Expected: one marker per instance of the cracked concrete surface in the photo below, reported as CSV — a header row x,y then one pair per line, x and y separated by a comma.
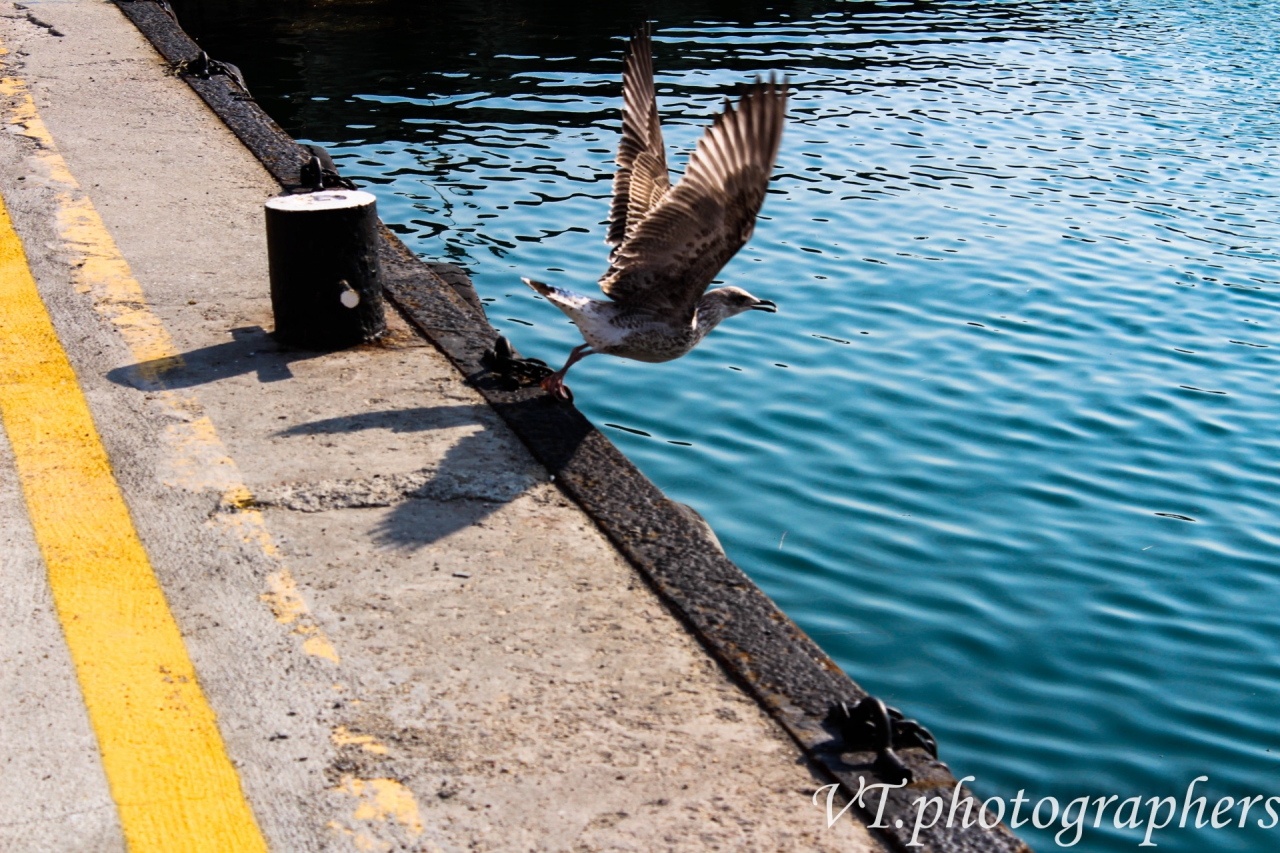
x,y
494,676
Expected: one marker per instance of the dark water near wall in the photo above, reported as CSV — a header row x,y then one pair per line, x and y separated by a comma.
x,y
1009,451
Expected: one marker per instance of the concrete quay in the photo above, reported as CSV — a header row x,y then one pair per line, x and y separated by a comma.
x,y
375,624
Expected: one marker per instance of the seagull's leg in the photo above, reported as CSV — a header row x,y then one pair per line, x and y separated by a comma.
x,y
554,384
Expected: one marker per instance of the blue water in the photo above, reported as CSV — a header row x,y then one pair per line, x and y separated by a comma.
x,y
1009,450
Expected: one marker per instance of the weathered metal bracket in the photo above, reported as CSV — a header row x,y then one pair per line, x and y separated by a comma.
x,y
869,724
517,371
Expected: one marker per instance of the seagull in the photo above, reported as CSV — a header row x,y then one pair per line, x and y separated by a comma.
x,y
670,242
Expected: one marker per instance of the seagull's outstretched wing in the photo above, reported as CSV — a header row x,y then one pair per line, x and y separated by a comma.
x,y
642,178
669,257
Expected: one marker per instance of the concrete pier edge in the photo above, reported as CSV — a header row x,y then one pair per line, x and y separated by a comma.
x,y
757,644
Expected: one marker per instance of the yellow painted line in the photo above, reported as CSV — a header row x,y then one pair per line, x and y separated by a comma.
x,y
342,737
380,805
196,457
164,758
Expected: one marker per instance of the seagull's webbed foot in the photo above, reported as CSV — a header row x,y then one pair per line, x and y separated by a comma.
x,y
554,385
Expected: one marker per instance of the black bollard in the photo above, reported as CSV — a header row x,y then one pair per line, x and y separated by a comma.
x,y
326,282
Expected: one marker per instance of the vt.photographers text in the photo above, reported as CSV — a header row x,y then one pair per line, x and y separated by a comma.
x,y
1150,815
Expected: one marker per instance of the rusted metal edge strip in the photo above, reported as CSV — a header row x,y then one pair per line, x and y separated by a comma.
x,y
738,624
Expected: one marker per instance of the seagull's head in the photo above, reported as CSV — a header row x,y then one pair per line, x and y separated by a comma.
x,y
723,302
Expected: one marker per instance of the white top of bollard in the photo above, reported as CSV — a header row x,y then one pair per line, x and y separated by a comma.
x,y
323,200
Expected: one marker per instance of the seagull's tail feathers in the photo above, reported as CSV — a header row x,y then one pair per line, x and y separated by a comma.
x,y
566,300
544,289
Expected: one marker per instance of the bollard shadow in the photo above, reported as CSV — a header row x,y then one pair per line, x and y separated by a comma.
x,y
251,350
467,486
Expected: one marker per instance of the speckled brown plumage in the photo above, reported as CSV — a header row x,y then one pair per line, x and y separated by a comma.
x,y
670,242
